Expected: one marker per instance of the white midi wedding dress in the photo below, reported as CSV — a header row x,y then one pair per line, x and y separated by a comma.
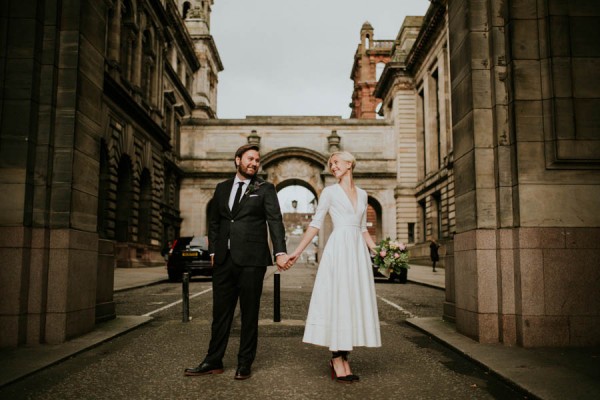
x,y
343,306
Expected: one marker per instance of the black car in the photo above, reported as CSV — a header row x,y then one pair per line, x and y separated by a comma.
x,y
189,254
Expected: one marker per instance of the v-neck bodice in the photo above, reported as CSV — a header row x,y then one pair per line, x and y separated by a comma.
x,y
335,201
348,197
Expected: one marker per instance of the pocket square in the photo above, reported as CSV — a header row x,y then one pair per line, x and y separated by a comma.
x,y
253,195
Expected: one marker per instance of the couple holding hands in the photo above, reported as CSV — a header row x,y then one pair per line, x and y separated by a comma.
x,y
343,307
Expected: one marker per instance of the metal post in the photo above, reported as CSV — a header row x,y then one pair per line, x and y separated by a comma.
x,y
185,283
277,297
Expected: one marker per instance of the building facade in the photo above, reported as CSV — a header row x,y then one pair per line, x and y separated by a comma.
x,y
370,58
507,163
93,97
294,151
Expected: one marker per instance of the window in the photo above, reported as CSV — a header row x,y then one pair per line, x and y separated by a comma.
x,y
437,206
411,232
379,70
436,112
147,66
185,9
125,58
421,129
423,223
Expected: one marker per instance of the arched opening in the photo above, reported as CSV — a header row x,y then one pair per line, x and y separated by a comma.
x,y
103,183
145,208
374,212
299,191
185,9
298,202
124,200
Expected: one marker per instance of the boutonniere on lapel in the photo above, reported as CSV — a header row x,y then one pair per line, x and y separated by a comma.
x,y
253,187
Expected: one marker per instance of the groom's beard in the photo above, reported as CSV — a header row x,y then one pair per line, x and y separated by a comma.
x,y
247,172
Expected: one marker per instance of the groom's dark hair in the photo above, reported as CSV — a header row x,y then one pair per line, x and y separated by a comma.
x,y
240,152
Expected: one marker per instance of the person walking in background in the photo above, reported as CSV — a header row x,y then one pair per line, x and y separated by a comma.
x,y
244,212
343,307
433,252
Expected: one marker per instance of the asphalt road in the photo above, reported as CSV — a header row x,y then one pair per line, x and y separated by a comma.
x,y
148,362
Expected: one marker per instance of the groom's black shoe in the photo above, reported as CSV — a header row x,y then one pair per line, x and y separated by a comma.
x,y
242,373
204,369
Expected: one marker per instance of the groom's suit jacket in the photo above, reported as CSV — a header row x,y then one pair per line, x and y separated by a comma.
x,y
244,229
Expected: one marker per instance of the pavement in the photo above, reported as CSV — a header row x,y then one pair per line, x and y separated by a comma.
x,y
543,373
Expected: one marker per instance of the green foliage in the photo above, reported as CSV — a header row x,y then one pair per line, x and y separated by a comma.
x,y
391,256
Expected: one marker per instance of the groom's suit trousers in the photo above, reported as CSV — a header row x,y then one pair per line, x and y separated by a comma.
x,y
231,282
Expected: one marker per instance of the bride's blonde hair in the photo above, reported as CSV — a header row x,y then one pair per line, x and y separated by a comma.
x,y
344,156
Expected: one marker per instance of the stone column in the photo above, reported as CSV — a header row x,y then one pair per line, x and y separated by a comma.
x,y
475,278
52,91
405,122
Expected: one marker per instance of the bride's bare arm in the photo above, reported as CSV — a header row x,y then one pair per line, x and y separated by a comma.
x,y
310,233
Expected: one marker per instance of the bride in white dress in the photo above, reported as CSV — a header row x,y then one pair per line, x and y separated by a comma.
x,y
343,307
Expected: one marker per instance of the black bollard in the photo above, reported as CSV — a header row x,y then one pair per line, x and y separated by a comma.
x,y
277,297
185,284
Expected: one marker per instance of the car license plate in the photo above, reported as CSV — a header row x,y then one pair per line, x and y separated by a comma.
x,y
189,254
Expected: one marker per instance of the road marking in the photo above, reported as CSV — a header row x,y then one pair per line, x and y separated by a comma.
x,y
397,307
175,303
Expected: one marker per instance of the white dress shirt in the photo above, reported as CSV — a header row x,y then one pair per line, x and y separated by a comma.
x,y
235,188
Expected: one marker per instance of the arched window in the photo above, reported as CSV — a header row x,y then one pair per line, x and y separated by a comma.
x,y
185,9
374,223
124,200
145,208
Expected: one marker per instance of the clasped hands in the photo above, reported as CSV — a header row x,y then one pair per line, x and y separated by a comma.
x,y
285,262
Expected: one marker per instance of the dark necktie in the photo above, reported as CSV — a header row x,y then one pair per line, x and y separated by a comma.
x,y
238,194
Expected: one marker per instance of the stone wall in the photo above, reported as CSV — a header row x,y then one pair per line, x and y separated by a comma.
x,y
92,95
527,238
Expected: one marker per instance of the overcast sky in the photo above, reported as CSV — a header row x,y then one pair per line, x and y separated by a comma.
x,y
294,57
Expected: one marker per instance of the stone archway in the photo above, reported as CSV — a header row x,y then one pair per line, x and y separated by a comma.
x,y
295,166
303,167
374,217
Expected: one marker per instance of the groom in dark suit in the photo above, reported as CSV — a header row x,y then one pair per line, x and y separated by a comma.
x,y
243,209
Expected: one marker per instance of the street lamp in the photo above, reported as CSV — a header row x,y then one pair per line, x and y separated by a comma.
x,y
294,204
